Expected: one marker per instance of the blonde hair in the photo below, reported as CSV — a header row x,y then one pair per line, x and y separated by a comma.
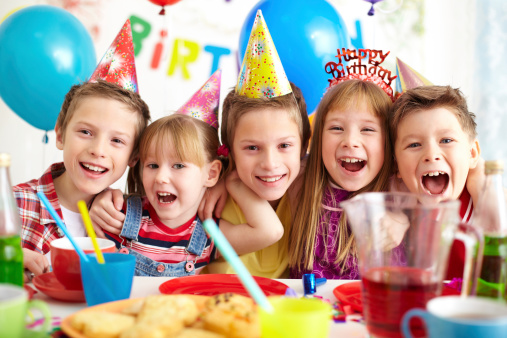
x,y
193,141
235,106
345,95
103,89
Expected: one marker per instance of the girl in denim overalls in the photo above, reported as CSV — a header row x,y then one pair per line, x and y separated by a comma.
x,y
178,161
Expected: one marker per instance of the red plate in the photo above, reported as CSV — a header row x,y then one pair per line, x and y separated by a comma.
x,y
350,294
209,285
49,285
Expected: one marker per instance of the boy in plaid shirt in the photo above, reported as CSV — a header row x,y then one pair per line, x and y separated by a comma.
x,y
98,129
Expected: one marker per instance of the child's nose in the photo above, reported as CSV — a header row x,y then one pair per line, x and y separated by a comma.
x,y
97,148
432,154
350,140
270,159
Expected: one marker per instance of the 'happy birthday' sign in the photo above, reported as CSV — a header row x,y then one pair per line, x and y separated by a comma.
x,y
364,62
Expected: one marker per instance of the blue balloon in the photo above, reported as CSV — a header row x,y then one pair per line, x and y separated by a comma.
x,y
44,50
306,35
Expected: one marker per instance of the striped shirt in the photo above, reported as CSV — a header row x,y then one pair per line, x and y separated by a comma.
x,y
38,227
163,244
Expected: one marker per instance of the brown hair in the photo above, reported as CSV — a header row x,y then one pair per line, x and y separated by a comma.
x,y
303,234
193,141
432,97
104,89
235,106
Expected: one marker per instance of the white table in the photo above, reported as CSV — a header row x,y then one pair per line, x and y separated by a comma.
x,y
144,286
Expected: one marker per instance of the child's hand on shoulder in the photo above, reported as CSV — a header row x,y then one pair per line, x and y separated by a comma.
x,y
213,200
475,180
393,227
36,264
237,188
105,212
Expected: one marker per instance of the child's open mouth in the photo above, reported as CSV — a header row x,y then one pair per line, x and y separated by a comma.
x,y
93,168
352,164
435,182
166,197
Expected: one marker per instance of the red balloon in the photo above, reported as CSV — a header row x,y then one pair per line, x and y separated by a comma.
x,y
164,2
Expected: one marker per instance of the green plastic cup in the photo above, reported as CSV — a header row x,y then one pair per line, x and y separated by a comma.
x,y
296,317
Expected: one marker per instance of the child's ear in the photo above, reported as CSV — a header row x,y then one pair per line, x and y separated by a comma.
x,y
214,170
59,137
475,154
133,161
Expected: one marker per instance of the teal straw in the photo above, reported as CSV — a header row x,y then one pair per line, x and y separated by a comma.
x,y
233,259
62,226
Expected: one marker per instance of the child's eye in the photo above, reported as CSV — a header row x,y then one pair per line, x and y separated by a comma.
x,y
252,148
117,140
336,128
179,166
368,129
446,140
414,145
84,131
285,145
152,165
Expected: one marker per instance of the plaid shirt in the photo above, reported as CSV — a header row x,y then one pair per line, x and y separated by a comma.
x,y
38,227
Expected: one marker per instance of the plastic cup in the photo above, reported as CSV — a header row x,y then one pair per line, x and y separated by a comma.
x,y
14,305
110,281
296,317
65,260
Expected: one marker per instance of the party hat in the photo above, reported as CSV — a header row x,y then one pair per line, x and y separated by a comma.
x,y
118,65
262,73
204,103
408,78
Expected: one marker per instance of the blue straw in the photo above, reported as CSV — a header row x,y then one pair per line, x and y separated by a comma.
x,y
233,259
62,226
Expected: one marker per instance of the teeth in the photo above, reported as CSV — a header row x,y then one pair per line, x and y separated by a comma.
x,y
271,179
94,168
164,194
351,160
434,173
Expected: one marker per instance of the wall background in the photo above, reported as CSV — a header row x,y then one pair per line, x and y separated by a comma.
x,y
455,42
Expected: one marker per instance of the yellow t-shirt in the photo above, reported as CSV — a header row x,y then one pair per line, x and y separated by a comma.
x,y
270,262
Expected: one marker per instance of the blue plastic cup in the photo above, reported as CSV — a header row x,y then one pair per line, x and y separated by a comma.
x,y
110,281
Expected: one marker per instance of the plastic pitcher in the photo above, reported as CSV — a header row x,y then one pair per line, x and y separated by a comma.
x,y
403,242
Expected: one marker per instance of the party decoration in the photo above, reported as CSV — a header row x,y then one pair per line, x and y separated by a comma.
x,y
351,66
371,12
262,73
408,78
118,64
306,35
163,3
44,50
203,105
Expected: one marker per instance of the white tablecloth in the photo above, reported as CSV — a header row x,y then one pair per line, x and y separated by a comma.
x,y
144,286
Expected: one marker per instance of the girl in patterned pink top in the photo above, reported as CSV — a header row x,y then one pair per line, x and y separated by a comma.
x,y
350,153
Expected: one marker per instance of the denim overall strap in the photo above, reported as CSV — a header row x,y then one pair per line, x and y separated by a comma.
x,y
198,240
133,216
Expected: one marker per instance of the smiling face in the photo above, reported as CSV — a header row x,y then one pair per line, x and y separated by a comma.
x,y
434,154
97,146
266,149
352,146
175,187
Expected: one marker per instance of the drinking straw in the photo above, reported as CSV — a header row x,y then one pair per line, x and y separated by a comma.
x,y
230,255
62,226
89,229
